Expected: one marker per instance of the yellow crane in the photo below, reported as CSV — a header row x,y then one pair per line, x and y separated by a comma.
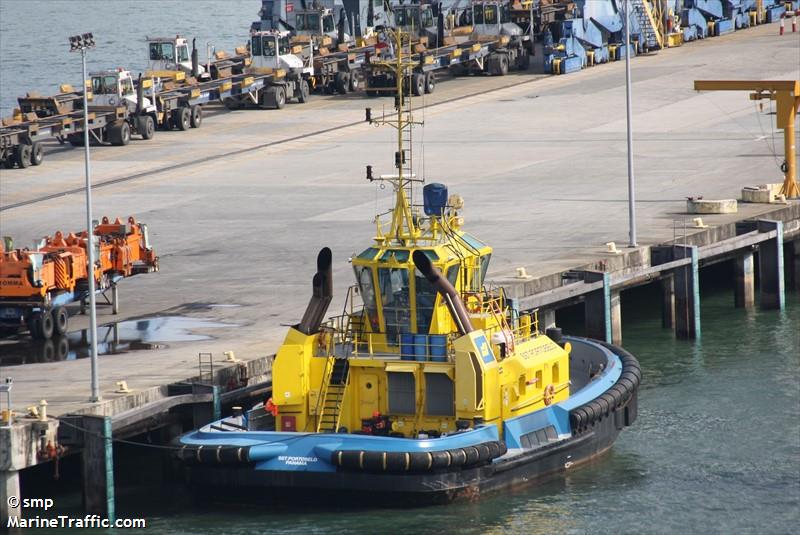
x,y
786,93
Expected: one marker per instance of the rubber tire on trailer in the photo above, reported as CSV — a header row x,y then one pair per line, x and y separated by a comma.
x,y
503,65
8,163
37,153
76,140
305,92
182,118
354,85
196,117
430,82
342,82
146,127
22,155
280,97
60,320
119,133
418,84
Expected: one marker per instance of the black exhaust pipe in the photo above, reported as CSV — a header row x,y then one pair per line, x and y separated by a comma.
x,y
139,95
195,61
321,296
448,293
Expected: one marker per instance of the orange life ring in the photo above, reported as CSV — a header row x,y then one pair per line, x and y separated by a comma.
x,y
549,394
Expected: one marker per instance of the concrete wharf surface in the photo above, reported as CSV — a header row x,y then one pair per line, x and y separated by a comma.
x,y
239,208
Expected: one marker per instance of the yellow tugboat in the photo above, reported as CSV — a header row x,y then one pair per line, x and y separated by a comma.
x,y
431,386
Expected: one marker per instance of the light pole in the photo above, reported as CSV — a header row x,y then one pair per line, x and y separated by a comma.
x,y
82,43
631,192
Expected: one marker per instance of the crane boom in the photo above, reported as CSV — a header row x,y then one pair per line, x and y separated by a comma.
x,y
786,93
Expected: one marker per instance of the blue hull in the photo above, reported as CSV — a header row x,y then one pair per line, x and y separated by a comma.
x,y
604,401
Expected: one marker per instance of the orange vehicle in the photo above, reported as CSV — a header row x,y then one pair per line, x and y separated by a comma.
x,y
37,284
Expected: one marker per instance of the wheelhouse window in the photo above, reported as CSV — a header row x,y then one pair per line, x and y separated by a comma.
x,y
162,51
367,289
485,259
395,300
427,18
477,14
127,86
255,45
426,298
104,85
183,53
490,14
327,24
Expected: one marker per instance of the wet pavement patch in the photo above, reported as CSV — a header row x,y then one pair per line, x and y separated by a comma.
x,y
112,339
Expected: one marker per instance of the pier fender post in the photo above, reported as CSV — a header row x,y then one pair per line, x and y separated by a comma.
x,y
745,290
616,318
598,307
97,466
662,255
668,302
770,264
9,486
203,413
793,265
687,293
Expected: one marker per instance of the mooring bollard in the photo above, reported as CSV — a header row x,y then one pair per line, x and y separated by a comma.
x,y
780,31
794,22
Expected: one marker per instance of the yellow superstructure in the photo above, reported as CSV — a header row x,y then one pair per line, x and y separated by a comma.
x,y
423,345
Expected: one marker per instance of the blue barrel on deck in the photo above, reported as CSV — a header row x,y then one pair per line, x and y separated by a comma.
x,y
421,347
438,347
434,196
406,346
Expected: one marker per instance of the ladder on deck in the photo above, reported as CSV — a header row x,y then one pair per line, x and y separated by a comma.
x,y
330,412
649,23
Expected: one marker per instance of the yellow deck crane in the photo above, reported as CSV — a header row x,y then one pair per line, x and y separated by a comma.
x,y
787,95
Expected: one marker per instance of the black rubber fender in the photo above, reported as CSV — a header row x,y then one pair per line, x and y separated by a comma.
x,y
583,418
441,459
373,461
605,405
458,457
597,408
472,455
590,415
397,461
626,383
421,461
484,453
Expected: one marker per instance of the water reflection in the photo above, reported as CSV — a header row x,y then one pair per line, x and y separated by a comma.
x,y
112,339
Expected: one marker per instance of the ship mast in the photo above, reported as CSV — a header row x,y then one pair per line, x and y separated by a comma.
x,y
403,228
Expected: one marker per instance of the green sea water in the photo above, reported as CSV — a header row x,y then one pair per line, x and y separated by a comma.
x,y
716,449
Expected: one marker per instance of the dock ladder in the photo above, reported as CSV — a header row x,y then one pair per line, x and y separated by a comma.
x,y
333,390
648,16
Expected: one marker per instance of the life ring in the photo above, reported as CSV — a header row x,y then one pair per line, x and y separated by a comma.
x,y
549,394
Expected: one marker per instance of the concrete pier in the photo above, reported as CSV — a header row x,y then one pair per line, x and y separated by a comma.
x,y
745,283
597,309
9,487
